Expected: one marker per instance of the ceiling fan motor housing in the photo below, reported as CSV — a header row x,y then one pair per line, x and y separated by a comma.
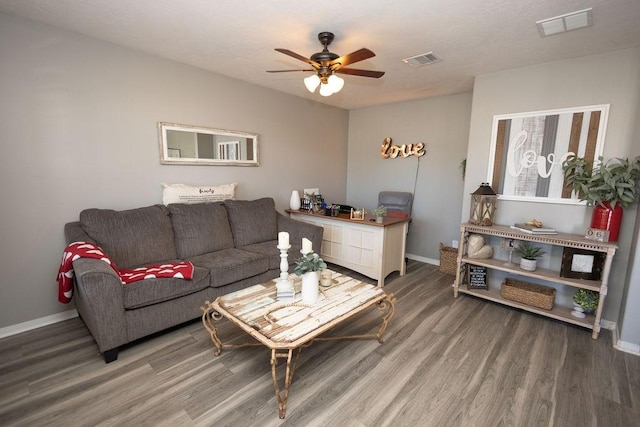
x,y
325,56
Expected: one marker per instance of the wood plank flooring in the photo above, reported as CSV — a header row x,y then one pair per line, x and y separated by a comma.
x,y
444,362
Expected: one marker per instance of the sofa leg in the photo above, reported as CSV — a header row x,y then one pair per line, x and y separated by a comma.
x,y
110,355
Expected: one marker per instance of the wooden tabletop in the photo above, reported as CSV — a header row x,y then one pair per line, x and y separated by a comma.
x,y
368,218
289,324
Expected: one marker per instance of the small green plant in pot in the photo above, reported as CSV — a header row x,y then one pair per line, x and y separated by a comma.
x,y
380,212
309,262
308,266
529,253
587,299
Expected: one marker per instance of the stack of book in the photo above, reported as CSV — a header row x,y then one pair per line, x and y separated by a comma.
x,y
532,229
285,295
285,291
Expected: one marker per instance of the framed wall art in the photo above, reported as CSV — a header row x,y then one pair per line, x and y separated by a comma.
x,y
527,151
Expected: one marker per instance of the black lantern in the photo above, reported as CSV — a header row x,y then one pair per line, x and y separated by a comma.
x,y
483,205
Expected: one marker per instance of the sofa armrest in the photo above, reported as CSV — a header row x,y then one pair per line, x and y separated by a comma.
x,y
98,296
298,229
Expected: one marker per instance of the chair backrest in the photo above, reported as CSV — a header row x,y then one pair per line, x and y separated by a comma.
x,y
396,202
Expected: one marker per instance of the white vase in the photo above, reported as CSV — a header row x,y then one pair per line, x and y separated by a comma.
x,y
294,202
310,286
528,264
578,311
379,219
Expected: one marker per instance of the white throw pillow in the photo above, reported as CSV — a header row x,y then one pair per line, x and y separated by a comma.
x,y
182,193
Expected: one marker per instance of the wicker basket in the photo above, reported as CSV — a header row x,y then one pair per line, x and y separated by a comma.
x,y
448,259
528,293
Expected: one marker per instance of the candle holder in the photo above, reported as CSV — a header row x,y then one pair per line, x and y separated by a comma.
x,y
284,286
508,245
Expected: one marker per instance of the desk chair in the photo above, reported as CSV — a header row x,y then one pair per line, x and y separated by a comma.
x,y
398,203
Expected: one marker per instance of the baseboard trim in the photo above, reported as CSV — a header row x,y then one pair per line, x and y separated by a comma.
x,y
423,259
627,347
37,323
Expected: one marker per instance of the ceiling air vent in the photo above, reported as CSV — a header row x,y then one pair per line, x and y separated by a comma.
x,y
568,22
422,59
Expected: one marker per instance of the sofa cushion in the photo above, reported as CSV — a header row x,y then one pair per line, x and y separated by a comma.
x,y
269,250
132,238
230,265
152,291
252,221
200,228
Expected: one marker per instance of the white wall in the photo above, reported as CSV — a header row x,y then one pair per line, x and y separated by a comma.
x,y
629,323
611,78
435,178
78,119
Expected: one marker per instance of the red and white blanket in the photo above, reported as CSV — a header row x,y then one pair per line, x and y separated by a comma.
x,y
178,270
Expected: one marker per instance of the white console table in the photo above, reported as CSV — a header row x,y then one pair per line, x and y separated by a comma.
x,y
367,247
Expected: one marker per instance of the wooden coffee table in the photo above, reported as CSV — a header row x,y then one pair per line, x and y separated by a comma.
x,y
284,327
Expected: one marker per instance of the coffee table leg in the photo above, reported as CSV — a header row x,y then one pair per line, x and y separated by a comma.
x,y
283,395
389,304
208,318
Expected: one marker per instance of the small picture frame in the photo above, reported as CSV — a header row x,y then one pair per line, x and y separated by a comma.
x,y
582,264
477,277
357,214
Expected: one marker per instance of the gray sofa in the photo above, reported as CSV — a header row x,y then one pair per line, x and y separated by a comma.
x,y
231,244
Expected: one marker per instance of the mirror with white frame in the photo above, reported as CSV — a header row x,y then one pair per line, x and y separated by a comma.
x,y
196,145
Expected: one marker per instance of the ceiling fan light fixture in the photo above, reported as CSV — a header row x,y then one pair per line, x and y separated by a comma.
x,y
325,90
335,83
312,82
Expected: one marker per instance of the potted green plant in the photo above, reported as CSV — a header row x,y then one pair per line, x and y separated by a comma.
x,y
528,255
608,186
380,212
308,266
587,299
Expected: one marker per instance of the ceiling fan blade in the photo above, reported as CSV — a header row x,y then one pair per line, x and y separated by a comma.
x,y
358,55
299,57
287,71
362,73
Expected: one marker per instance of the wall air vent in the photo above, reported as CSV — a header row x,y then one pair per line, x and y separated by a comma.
x,y
422,59
568,22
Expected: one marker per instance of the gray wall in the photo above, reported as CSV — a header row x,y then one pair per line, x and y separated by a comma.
x,y
611,78
78,119
435,178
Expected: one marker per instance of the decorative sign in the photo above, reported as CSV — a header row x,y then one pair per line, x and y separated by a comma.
x,y
388,150
528,149
477,277
597,235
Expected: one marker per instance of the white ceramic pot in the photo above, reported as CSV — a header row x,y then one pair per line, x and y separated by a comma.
x,y
310,286
379,219
294,201
528,264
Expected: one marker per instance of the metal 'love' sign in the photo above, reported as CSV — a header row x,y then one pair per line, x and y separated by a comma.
x,y
388,150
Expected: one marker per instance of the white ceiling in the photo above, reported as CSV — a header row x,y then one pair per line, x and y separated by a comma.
x,y
237,37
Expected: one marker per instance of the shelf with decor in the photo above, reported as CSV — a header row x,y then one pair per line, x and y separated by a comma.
x,y
544,275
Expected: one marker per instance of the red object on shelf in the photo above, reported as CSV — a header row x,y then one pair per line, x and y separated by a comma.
x,y
605,218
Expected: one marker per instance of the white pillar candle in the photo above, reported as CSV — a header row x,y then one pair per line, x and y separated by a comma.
x,y
306,246
283,239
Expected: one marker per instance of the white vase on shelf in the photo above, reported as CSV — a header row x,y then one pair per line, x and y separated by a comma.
x,y
310,286
294,202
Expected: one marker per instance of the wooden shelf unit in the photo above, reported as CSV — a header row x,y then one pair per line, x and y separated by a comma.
x,y
561,239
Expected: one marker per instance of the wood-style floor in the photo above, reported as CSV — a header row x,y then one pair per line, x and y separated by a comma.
x,y
444,362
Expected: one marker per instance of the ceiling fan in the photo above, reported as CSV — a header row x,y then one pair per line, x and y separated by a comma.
x,y
326,64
